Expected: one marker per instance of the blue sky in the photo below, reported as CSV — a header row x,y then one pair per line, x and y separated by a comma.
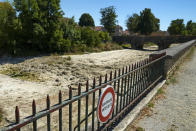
x,y
165,10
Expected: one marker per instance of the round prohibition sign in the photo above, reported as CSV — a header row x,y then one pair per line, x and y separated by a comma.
x,y
106,104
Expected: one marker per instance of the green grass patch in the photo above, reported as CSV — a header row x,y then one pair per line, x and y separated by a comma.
x,y
150,105
56,59
148,44
171,80
16,72
160,91
140,129
68,58
126,45
107,47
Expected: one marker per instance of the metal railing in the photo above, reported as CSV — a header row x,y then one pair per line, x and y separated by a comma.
x,y
131,84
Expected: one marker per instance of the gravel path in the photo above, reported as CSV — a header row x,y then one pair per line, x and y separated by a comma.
x,y
177,112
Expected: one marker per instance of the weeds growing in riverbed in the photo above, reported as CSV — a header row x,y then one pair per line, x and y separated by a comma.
x,y
16,72
140,129
150,105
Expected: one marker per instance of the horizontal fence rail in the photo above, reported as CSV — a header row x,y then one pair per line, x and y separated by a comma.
x,y
130,84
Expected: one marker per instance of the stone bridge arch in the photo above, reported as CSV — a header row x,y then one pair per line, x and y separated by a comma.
x,y
163,42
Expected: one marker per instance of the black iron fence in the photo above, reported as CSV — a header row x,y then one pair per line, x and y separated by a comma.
x,y
78,111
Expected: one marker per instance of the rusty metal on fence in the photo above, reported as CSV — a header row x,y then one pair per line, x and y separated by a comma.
x,y
131,84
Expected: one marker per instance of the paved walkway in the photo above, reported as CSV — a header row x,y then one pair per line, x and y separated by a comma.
x,y
177,112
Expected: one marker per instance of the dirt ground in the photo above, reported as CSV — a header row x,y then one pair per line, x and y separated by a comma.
x,y
54,73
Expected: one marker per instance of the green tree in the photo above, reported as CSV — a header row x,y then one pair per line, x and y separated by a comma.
x,y
40,20
194,29
71,30
51,14
90,37
147,23
108,19
191,27
104,36
7,27
132,23
86,20
176,27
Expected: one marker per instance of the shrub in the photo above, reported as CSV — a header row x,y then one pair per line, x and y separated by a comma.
x,y
90,37
104,36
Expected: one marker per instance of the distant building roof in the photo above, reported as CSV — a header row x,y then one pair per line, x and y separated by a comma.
x,y
160,33
99,28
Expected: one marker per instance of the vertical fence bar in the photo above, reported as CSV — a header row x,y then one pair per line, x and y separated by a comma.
x,y
17,116
48,116
121,91
111,85
106,78
134,82
60,111
93,106
140,77
100,82
131,85
86,113
146,74
137,78
79,105
144,70
128,87
117,105
124,95
33,113
111,77
115,91
70,109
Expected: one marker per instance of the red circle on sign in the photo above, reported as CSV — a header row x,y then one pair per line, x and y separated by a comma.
x,y
101,117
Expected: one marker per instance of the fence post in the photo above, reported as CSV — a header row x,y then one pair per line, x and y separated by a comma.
x,y
60,112
86,113
93,106
17,116
100,82
34,112
48,116
79,105
70,109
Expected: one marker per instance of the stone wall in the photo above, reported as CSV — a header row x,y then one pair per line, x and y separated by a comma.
x,y
174,54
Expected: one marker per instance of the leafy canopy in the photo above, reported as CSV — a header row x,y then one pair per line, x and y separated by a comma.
x,y
86,20
145,23
7,26
108,18
176,27
191,27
